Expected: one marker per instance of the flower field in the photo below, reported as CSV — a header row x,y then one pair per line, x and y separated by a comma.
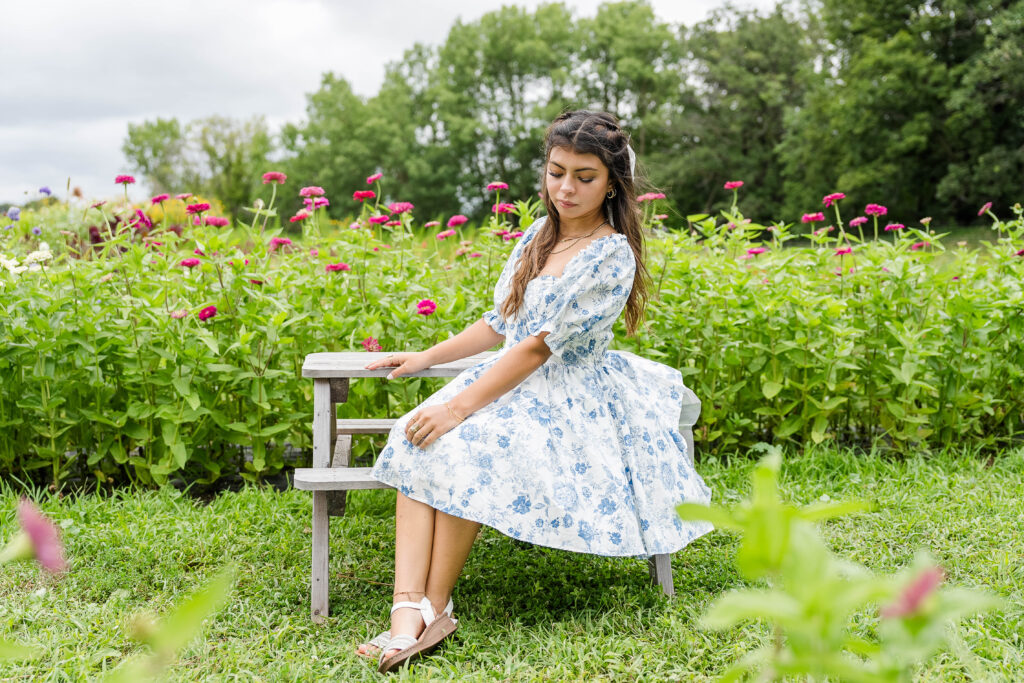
x,y
143,343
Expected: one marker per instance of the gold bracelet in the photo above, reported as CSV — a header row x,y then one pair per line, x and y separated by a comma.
x,y
452,412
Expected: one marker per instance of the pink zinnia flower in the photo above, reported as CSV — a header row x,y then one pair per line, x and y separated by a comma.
x,y
985,207
660,216
894,226
875,210
279,242
432,224
1020,253
124,180
650,196
475,254
503,208
926,221
189,262
392,224
198,252
834,197
39,539
859,220
179,314
456,220
754,251
842,251
497,186
300,215
733,184
813,217
207,312
374,178
98,205
426,307
445,233
919,245
378,219
371,344
274,177
143,218
354,225
193,209
160,198
216,221
312,191
914,594
400,207
360,195
183,196
744,257
461,250
332,267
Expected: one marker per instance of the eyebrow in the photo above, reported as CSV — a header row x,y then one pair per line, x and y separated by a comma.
x,y
563,167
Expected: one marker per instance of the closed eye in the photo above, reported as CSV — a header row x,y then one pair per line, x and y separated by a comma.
x,y
559,175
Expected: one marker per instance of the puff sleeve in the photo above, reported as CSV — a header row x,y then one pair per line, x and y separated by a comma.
x,y
579,313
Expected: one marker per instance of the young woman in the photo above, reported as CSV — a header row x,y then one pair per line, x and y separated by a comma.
x,y
554,440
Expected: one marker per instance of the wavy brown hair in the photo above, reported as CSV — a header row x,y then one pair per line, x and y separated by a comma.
x,y
597,133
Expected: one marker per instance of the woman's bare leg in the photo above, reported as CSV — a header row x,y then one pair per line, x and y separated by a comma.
x,y
414,540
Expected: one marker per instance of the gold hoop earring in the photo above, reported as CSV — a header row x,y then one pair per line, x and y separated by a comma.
x,y
611,193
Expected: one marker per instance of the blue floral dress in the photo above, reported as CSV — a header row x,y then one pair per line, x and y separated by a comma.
x,y
585,453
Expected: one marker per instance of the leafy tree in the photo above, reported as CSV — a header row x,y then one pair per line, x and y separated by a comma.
x,y
156,150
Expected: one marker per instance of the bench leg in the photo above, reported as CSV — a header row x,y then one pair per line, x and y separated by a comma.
x,y
342,458
660,567
321,525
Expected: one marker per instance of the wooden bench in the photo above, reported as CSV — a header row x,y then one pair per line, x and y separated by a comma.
x,y
332,474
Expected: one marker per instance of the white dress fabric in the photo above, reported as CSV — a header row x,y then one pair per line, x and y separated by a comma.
x,y
585,453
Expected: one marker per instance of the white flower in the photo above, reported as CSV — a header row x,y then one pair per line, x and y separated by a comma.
x,y
39,255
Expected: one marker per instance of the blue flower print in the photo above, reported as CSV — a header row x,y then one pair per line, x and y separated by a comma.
x,y
469,432
503,441
607,506
521,505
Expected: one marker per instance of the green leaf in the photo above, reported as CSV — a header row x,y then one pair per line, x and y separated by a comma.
x,y
741,605
770,388
717,515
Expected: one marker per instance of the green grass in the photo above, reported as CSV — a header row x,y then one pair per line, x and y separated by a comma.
x,y
526,613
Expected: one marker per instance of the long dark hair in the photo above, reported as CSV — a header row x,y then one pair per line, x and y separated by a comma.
x,y
597,133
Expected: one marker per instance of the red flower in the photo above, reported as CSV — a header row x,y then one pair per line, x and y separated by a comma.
x,y
374,178
124,180
813,217
301,214
497,186
189,262
371,344
733,184
834,197
207,312
875,210
274,177
360,195
192,209
332,267
400,207
160,198
216,221
456,220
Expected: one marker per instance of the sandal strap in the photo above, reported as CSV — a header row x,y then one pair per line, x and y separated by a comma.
x,y
399,642
424,606
381,640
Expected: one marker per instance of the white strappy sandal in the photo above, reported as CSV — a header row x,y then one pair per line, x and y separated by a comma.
x,y
435,629
384,637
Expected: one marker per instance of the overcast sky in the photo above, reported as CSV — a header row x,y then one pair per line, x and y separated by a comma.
x,y
76,72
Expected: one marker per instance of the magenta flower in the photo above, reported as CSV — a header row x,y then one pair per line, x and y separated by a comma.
x,y
274,177
875,210
207,312
432,224
426,307
985,207
39,539
189,262
300,215
650,196
392,224
894,226
754,251
503,208
276,242
660,216
378,219
193,209
371,344
859,220
179,314
143,218
216,221
1020,253
842,251
360,195
475,254
813,217
160,198
374,178
456,220
919,245
124,180
312,191
733,185
314,252
914,594
445,233
497,186
183,196
400,207
332,267
198,252
834,197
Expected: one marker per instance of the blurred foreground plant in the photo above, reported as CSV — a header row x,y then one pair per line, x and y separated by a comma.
x,y
812,595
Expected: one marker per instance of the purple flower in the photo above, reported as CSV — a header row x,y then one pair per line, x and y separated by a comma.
x,y
37,230
14,213
45,190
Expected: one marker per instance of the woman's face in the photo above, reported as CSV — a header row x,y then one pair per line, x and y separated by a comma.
x,y
576,183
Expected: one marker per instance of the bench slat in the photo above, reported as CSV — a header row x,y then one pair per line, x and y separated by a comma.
x,y
335,479
365,426
352,364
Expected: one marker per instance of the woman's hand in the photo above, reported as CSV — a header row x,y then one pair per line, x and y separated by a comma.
x,y
428,424
404,363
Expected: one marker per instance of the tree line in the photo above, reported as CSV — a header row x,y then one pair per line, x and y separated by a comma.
x,y
915,105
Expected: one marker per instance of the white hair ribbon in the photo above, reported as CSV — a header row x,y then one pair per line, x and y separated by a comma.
x,y
632,160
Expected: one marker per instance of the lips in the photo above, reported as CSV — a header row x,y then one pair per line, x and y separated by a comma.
x,y
565,204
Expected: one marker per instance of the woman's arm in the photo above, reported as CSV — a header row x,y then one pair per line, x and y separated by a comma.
x,y
474,339
518,363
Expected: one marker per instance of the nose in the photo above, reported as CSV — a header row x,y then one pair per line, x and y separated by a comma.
x,y
568,187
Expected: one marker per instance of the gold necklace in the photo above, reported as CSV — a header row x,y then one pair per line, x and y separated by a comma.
x,y
576,239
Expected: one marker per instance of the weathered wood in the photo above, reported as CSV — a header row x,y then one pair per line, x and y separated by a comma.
x,y
660,567
339,389
353,364
335,479
323,420
342,458
365,426
319,603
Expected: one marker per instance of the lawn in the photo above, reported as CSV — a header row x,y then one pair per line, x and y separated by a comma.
x,y
526,613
